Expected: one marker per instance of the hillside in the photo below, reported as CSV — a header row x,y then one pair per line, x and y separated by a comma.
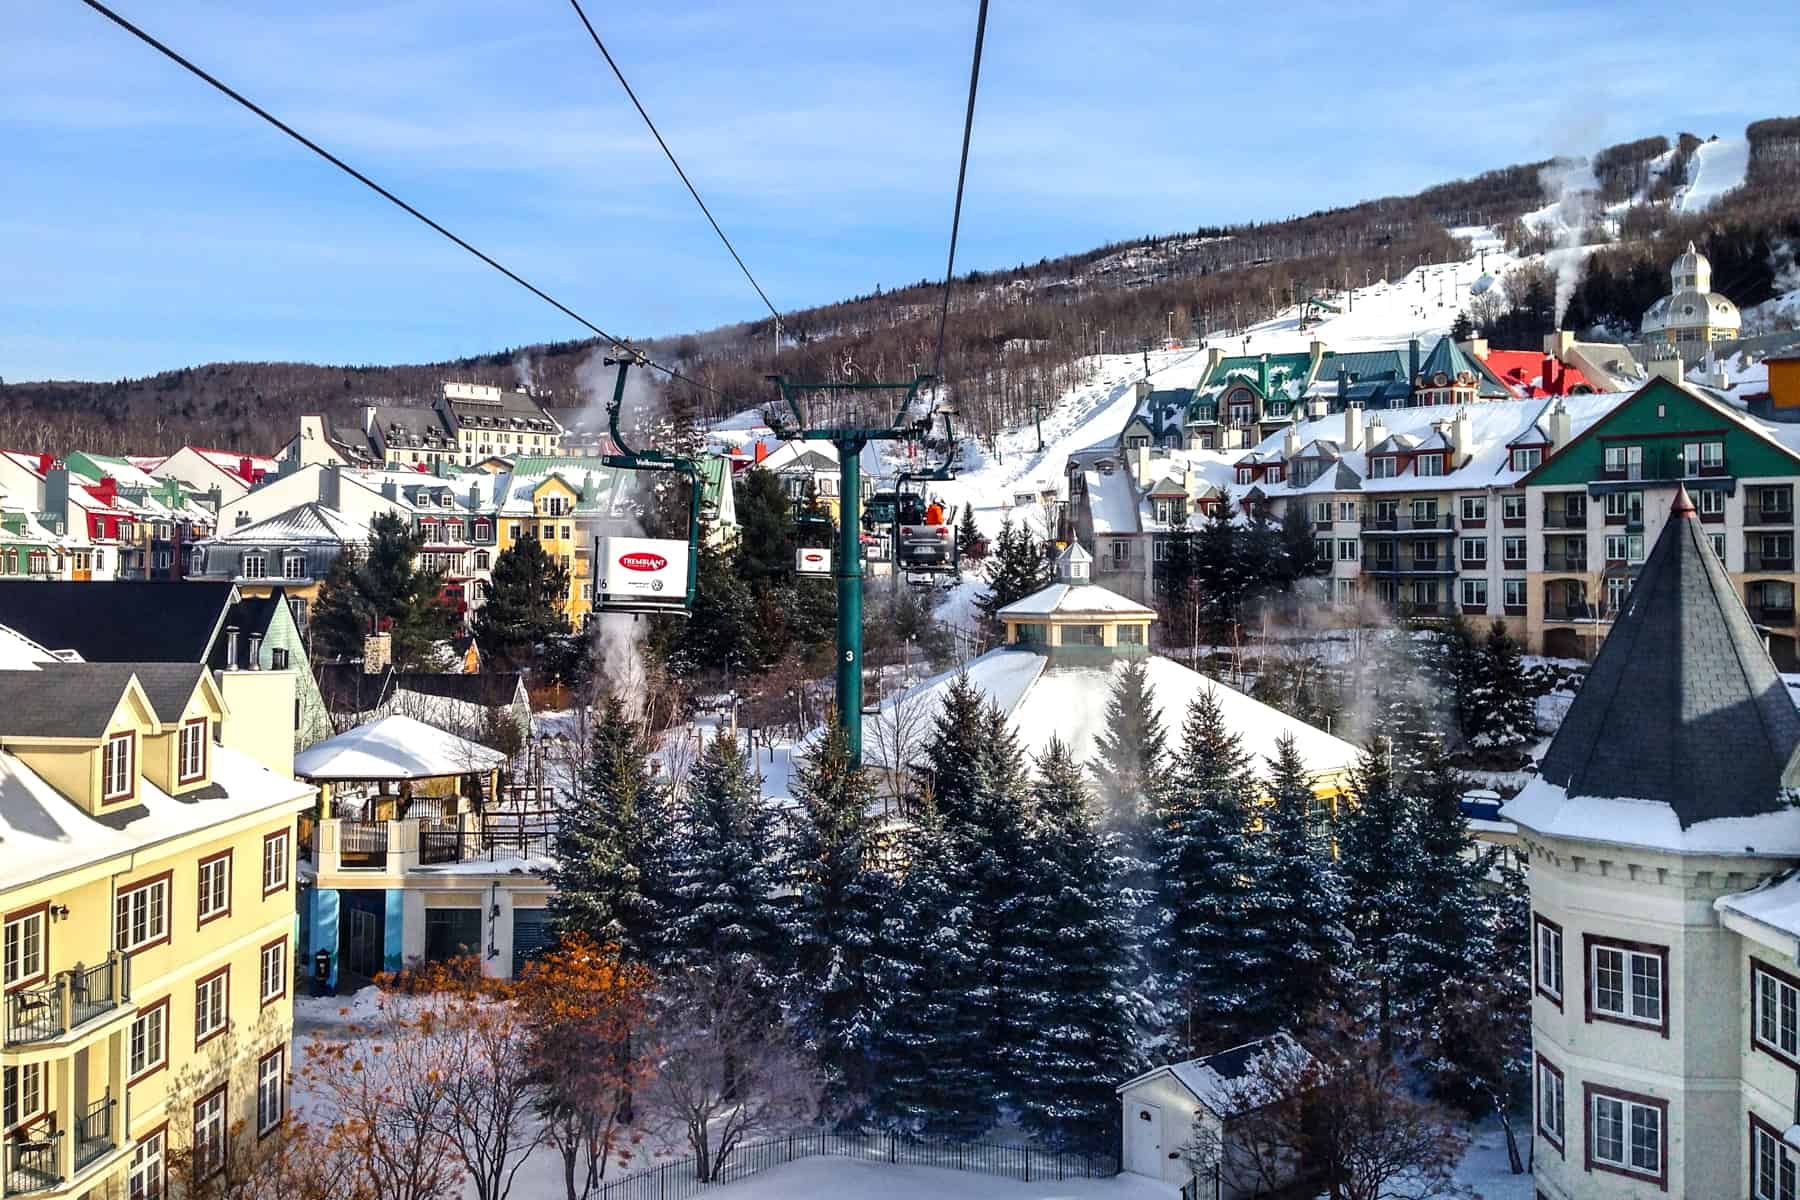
x,y
1017,336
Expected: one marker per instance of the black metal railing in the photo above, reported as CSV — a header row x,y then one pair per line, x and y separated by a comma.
x,y
31,1161
98,989
1562,518
1757,561
68,1001
438,846
683,1178
1563,561
1570,611
363,843
93,1131
34,1014
1409,523
1764,614
1757,515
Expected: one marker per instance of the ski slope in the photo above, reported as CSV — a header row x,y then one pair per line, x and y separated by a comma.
x,y
1718,167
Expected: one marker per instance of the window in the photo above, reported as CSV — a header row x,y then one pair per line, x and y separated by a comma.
x,y
1712,502
1617,589
212,997
1776,1027
1550,1103
1718,544
1512,593
215,887
1626,506
1512,508
1625,1132
1244,475
1162,511
1512,550
275,862
1527,458
1346,510
1777,500
1712,455
1321,511
26,947
1121,553
118,767
484,531
1428,464
147,1179
24,1094
274,971
271,1091
141,915
150,1040
1474,595
1347,549
1387,512
1772,1167
255,566
1474,509
209,1134
1777,545
1321,549
191,752
456,932
1159,550
1424,512
293,566
1627,461
1547,950
278,659
1625,982
1474,550
1382,467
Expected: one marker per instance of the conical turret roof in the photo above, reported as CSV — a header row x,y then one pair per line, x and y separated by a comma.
x,y
1683,705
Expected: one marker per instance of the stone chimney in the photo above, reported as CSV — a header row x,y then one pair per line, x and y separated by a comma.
x,y
1140,463
1353,426
1262,375
1290,439
1476,347
1376,432
1214,356
255,655
1462,436
1143,390
378,652
1412,359
1667,366
1558,426
330,485
1316,352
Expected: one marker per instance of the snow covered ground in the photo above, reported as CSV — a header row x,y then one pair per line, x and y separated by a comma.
x,y
831,1178
1718,167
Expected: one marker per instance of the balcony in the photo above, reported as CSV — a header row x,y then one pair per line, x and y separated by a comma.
x,y
35,1160
68,1002
1767,516
396,847
1562,518
1570,612
1755,560
1424,610
1778,615
1408,523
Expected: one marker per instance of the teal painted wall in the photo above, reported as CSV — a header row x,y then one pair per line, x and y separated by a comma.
x,y
1746,454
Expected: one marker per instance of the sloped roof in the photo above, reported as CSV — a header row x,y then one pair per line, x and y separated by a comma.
x,y
309,522
1683,706
1449,358
1075,599
249,615
394,748
76,699
1225,1082
118,620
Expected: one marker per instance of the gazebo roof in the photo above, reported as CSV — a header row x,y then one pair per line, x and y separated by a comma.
x,y
394,748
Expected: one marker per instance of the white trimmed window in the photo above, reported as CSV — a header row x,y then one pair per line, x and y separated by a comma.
x,y
275,862
1512,507
271,1092
1550,1104
1474,550
1527,458
1777,1024
1712,502
23,1094
1773,1174
274,971
150,1039
1474,508
1474,595
1383,467
293,566
254,566
118,767
1625,1133
25,948
215,887
142,916
211,1003
1547,946
1513,592
1626,983
209,1135
192,750
145,1181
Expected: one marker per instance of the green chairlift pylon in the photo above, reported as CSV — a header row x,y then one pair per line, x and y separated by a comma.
x,y
640,574
849,416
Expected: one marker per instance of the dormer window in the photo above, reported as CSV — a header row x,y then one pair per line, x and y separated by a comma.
x,y
1276,472
255,566
1163,510
293,566
1429,464
1527,458
118,768
191,752
484,531
1383,466
1245,474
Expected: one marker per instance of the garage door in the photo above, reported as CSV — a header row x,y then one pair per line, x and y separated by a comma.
x,y
531,936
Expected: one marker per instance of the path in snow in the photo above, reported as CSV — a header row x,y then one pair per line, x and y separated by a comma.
x,y
1718,167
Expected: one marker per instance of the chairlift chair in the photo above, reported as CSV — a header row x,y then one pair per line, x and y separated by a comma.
x,y
640,574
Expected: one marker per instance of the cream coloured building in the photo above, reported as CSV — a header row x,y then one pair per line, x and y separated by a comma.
x,y
1692,314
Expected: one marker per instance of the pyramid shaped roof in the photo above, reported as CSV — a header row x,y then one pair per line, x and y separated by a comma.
x,y
1683,706
1449,358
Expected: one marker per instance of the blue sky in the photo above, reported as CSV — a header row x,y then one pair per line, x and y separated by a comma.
x,y
146,223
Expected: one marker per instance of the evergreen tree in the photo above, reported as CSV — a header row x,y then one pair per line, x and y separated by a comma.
x,y
522,604
1131,750
400,594
836,916
1442,913
1261,561
968,534
953,752
1208,947
1500,710
1016,567
612,840
1299,553
721,875
341,618
929,1042
765,514
1218,568
721,631
1462,329
1074,932
1376,857
1301,902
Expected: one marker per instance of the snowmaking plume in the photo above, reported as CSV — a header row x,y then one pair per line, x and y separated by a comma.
x,y
525,372
1570,186
1782,266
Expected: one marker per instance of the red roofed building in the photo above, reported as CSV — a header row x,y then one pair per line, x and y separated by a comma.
x,y
1531,375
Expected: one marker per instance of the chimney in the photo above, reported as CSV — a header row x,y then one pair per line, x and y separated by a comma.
x,y
330,485
762,451
108,490
1462,437
368,418
56,491
378,651
390,490
214,498
1559,426
1143,390
474,496
1290,440
45,462
1667,366
231,648
244,470
1353,427
1376,434
1412,359
1558,344
255,655
1214,356
1477,347
1316,352
1262,375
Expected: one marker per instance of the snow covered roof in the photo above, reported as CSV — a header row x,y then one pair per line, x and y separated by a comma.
x,y
394,748
309,522
1112,501
1774,905
1225,1082
1075,600
20,653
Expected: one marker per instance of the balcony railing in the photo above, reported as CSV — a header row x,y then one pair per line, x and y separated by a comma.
x,y
1562,561
94,1131
1778,615
1424,609
440,846
1757,561
31,1161
1561,518
67,1002
1767,516
1570,611
363,844
1408,523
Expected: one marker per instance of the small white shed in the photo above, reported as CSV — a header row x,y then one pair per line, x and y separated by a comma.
x,y
1163,1107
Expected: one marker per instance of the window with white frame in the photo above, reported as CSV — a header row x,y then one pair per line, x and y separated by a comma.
x,y
146,1178
191,751
1474,550
293,566
26,948
1424,511
274,971
141,915
1776,1027
149,1048
1163,509
1512,508
1773,1174
1347,549
1322,511
23,1099
1474,595
1718,545
118,767
1512,593
1474,508
1527,458
1625,1133
1551,1101
1428,464
254,566
1617,589
211,1004
271,1091
1625,460
275,862
1346,510
1547,948
1626,982
1512,549
1711,502
1383,467
215,887
209,1134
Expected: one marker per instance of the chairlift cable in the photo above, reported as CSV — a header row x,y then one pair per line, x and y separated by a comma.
x,y
379,190
962,171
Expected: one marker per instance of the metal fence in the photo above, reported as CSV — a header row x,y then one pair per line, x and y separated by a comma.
x,y
679,1180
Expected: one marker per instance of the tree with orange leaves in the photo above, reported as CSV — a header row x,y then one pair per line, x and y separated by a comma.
x,y
587,1013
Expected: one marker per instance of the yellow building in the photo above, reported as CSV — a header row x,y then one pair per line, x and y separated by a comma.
x,y
147,886
544,508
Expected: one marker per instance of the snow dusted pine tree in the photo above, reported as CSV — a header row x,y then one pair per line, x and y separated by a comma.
x,y
1302,901
836,916
1376,853
954,750
1207,950
1074,934
612,839
1500,711
1131,750
1443,912
722,874
931,1032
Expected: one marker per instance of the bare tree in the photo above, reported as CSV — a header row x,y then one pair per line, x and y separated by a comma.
x,y
727,1069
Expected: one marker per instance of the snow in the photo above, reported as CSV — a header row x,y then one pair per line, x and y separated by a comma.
x,y
830,1178
395,748
1067,599
1718,167
1548,809
1775,905
20,653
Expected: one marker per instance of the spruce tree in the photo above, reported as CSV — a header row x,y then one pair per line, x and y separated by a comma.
x,y
722,876
1016,567
1074,933
835,919
398,592
1501,712
341,618
954,750
522,604
1218,568
1132,749
1209,949
1442,912
765,515
968,534
1376,857
612,841
1301,898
